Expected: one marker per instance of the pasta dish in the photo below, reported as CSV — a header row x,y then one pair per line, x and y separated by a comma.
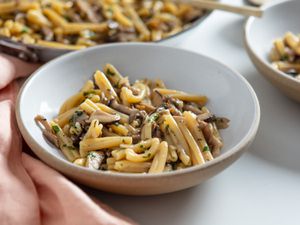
x,y
141,127
76,24
285,54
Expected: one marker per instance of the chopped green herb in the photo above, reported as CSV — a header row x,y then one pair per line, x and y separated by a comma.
x,y
147,156
116,124
141,146
123,141
87,93
55,129
284,58
153,117
206,149
25,29
110,73
92,155
167,127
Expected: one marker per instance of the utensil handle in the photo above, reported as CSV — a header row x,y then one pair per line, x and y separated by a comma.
x,y
17,49
243,10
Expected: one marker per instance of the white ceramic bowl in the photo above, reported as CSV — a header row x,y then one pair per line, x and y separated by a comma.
x,y
229,93
279,17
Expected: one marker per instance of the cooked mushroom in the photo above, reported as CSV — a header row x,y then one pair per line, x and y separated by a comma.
x,y
86,8
47,130
80,117
121,108
48,33
192,107
94,160
104,117
157,99
205,117
212,140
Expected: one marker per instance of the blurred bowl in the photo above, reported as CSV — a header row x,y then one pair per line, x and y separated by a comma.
x,y
279,17
230,95
30,52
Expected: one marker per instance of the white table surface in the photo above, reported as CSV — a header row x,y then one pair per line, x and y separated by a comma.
x,y
263,186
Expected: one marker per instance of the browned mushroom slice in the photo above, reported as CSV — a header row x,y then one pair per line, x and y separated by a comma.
x,y
104,117
86,8
204,116
94,160
156,99
192,107
121,108
211,139
51,137
222,122
47,130
48,33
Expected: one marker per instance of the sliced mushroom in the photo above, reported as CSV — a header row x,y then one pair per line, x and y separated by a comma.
x,y
157,99
94,160
192,107
47,130
104,117
51,137
48,33
204,116
86,8
121,108
212,140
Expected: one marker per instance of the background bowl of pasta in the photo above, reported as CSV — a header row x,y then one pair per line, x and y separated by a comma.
x,y
44,29
228,95
268,42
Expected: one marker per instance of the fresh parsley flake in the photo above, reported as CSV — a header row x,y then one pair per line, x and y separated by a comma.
x,y
109,72
206,149
55,129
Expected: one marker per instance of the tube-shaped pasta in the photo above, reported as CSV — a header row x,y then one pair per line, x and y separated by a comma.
x,y
75,28
202,100
279,45
132,167
172,125
128,96
119,154
159,160
63,118
36,17
76,99
80,162
138,23
114,76
52,44
102,143
119,129
54,17
132,156
191,123
120,17
139,147
103,83
195,152
94,131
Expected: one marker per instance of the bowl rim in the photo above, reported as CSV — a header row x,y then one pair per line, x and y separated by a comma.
x,y
247,27
62,164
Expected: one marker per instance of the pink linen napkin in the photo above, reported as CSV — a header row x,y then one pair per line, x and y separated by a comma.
x,y
31,193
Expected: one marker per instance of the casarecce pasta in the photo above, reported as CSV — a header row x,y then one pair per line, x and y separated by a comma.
x,y
76,24
285,54
147,129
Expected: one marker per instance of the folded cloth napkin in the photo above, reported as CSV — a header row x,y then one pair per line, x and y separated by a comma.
x,y
31,193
